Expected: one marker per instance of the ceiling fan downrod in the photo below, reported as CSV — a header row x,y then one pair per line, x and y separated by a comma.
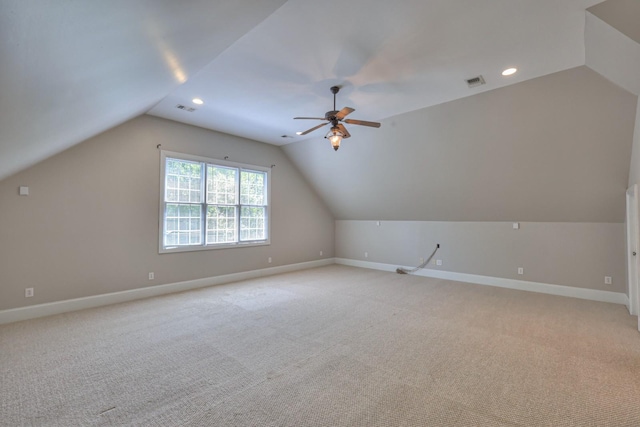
x,y
334,91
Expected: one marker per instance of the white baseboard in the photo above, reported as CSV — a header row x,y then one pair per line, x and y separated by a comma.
x,y
543,288
41,310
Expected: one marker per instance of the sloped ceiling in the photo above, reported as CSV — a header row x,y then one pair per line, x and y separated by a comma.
x,y
70,70
621,15
613,43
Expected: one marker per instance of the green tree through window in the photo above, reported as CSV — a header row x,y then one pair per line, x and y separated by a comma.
x,y
208,203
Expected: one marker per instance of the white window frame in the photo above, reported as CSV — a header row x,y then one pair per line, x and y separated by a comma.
x,y
203,246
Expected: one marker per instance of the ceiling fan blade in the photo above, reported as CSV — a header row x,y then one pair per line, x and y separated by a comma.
x,y
313,128
310,118
363,123
344,130
344,113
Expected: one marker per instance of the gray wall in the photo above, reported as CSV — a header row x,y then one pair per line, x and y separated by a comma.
x,y
570,254
90,225
552,153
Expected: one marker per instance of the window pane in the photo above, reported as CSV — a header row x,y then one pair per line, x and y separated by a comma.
x,y
221,185
182,182
207,204
252,221
221,224
253,187
182,225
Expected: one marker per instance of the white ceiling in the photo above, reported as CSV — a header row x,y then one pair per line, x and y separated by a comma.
x,y
72,69
390,58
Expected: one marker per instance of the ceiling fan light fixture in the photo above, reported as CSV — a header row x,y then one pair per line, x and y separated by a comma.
x,y
335,137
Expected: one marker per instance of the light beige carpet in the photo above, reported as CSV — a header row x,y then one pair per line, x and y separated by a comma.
x,y
333,346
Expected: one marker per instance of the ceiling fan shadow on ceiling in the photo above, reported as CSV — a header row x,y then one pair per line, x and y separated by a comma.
x,y
338,131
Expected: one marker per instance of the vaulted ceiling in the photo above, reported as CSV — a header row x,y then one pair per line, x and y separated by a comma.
x,y
70,70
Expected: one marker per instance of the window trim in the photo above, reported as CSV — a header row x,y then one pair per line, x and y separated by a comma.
x,y
204,247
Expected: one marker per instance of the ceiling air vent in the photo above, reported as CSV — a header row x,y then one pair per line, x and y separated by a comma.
x,y
475,81
185,108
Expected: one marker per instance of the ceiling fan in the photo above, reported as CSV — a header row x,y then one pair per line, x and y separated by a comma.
x,y
338,132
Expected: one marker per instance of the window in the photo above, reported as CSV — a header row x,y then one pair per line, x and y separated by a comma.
x,y
208,204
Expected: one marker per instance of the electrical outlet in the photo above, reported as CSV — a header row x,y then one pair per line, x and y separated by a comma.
x,y
28,292
438,262
607,280
151,276
366,254
520,270
320,253
421,260
269,260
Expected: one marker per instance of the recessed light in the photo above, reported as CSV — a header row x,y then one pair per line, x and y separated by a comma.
x,y
509,71
197,101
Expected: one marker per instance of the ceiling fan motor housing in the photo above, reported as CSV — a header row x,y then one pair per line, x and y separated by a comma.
x,y
331,116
